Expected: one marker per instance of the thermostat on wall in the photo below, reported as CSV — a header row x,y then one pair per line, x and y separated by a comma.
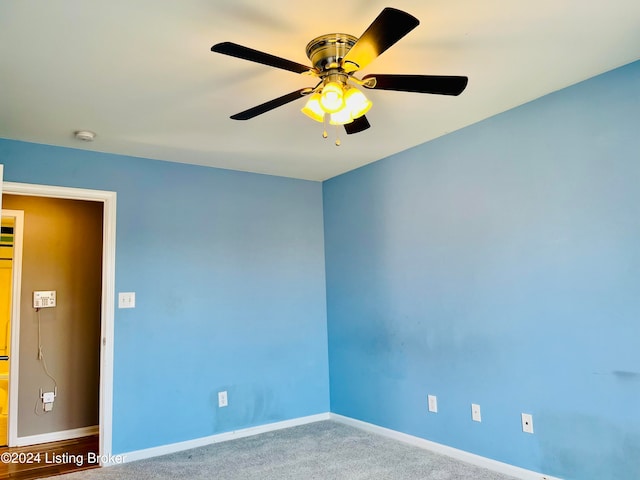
x,y
44,299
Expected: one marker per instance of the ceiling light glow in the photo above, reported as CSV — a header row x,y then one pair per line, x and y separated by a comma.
x,y
332,97
343,103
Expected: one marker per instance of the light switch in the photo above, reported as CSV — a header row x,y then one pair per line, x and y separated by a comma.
x,y
127,300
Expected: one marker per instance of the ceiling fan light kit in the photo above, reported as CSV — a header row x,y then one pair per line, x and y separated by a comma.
x,y
335,58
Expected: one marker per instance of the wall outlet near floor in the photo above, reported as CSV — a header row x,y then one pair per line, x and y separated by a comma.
x,y
432,400
475,413
222,399
527,423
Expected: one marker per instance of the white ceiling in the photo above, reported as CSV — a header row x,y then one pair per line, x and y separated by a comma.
x,y
140,73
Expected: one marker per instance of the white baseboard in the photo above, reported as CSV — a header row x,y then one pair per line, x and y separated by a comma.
x,y
461,455
56,436
221,437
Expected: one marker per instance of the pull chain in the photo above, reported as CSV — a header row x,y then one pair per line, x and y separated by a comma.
x,y
326,135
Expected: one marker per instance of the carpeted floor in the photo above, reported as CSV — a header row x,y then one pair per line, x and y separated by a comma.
x,y
324,451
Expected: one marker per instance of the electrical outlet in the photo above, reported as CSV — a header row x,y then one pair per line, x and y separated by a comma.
x,y
475,412
222,399
527,423
433,403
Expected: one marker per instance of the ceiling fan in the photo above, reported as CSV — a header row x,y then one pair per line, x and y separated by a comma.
x,y
335,58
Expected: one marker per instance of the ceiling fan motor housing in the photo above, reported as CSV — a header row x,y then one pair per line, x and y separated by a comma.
x,y
327,51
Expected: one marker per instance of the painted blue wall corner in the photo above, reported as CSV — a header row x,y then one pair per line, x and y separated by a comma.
x,y
499,265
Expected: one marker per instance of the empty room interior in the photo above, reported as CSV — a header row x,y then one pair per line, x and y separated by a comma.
x,y
458,269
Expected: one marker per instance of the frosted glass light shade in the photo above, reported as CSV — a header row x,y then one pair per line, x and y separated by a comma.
x,y
356,102
313,109
341,117
332,97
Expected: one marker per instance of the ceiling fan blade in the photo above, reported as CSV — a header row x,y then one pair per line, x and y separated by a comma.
x,y
389,27
437,84
357,126
270,105
246,53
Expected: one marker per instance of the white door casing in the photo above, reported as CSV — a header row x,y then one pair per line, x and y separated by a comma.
x,y
108,199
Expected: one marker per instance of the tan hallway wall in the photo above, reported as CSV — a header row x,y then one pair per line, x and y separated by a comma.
x,y
62,251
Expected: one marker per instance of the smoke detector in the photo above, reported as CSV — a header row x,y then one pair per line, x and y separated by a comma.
x,y
85,135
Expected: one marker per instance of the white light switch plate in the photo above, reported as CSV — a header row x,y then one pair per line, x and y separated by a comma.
x,y
127,300
222,399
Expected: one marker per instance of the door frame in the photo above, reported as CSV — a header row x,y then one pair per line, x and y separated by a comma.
x,y
108,199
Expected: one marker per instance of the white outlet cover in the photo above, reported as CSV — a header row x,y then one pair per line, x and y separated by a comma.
x,y
527,423
432,401
475,412
222,399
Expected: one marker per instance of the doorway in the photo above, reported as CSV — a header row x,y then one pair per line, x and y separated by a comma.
x,y
108,200
10,273
58,350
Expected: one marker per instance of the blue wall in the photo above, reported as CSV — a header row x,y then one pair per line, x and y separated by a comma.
x,y
499,265
228,270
